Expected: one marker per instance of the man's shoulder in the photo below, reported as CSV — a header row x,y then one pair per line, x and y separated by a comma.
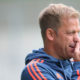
x,y
40,69
36,63
40,66
36,68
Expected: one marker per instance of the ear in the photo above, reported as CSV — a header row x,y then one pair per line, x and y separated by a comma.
x,y
50,34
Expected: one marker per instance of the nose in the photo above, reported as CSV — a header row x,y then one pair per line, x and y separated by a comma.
x,y
77,37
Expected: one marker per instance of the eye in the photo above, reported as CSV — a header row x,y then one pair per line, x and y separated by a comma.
x,y
71,32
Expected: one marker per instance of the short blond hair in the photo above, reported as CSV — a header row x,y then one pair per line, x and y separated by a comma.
x,y
52,16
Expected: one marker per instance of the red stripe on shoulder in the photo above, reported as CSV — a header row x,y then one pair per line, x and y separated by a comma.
x,y
44,78
30,73
34,71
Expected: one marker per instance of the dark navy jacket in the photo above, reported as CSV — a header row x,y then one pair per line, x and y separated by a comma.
x,y
41,66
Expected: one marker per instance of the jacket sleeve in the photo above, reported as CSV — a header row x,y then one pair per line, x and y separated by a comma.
x,y
24,75
36,72
76,71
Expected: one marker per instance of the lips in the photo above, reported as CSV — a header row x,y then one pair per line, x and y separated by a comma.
x,y
72,46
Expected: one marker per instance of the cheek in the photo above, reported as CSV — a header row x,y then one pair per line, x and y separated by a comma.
x,y
67,42
69,39
64,41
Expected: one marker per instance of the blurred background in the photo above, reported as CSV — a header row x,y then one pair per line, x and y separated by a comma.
x,y
20,33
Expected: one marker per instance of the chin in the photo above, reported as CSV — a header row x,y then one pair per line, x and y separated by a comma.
x,y
68,57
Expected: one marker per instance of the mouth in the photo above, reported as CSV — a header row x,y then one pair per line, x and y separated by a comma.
x,y
72,46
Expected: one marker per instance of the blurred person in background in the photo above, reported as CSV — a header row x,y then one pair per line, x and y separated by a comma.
x,y
60,29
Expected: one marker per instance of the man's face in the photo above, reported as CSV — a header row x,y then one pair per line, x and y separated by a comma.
x,y
66,38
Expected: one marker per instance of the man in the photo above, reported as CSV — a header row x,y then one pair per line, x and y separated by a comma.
x,y
60,32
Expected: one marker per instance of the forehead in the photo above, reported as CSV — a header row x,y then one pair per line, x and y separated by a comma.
x,y
70,24
73,21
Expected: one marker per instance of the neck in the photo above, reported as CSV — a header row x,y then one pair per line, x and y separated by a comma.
x,y
50,50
